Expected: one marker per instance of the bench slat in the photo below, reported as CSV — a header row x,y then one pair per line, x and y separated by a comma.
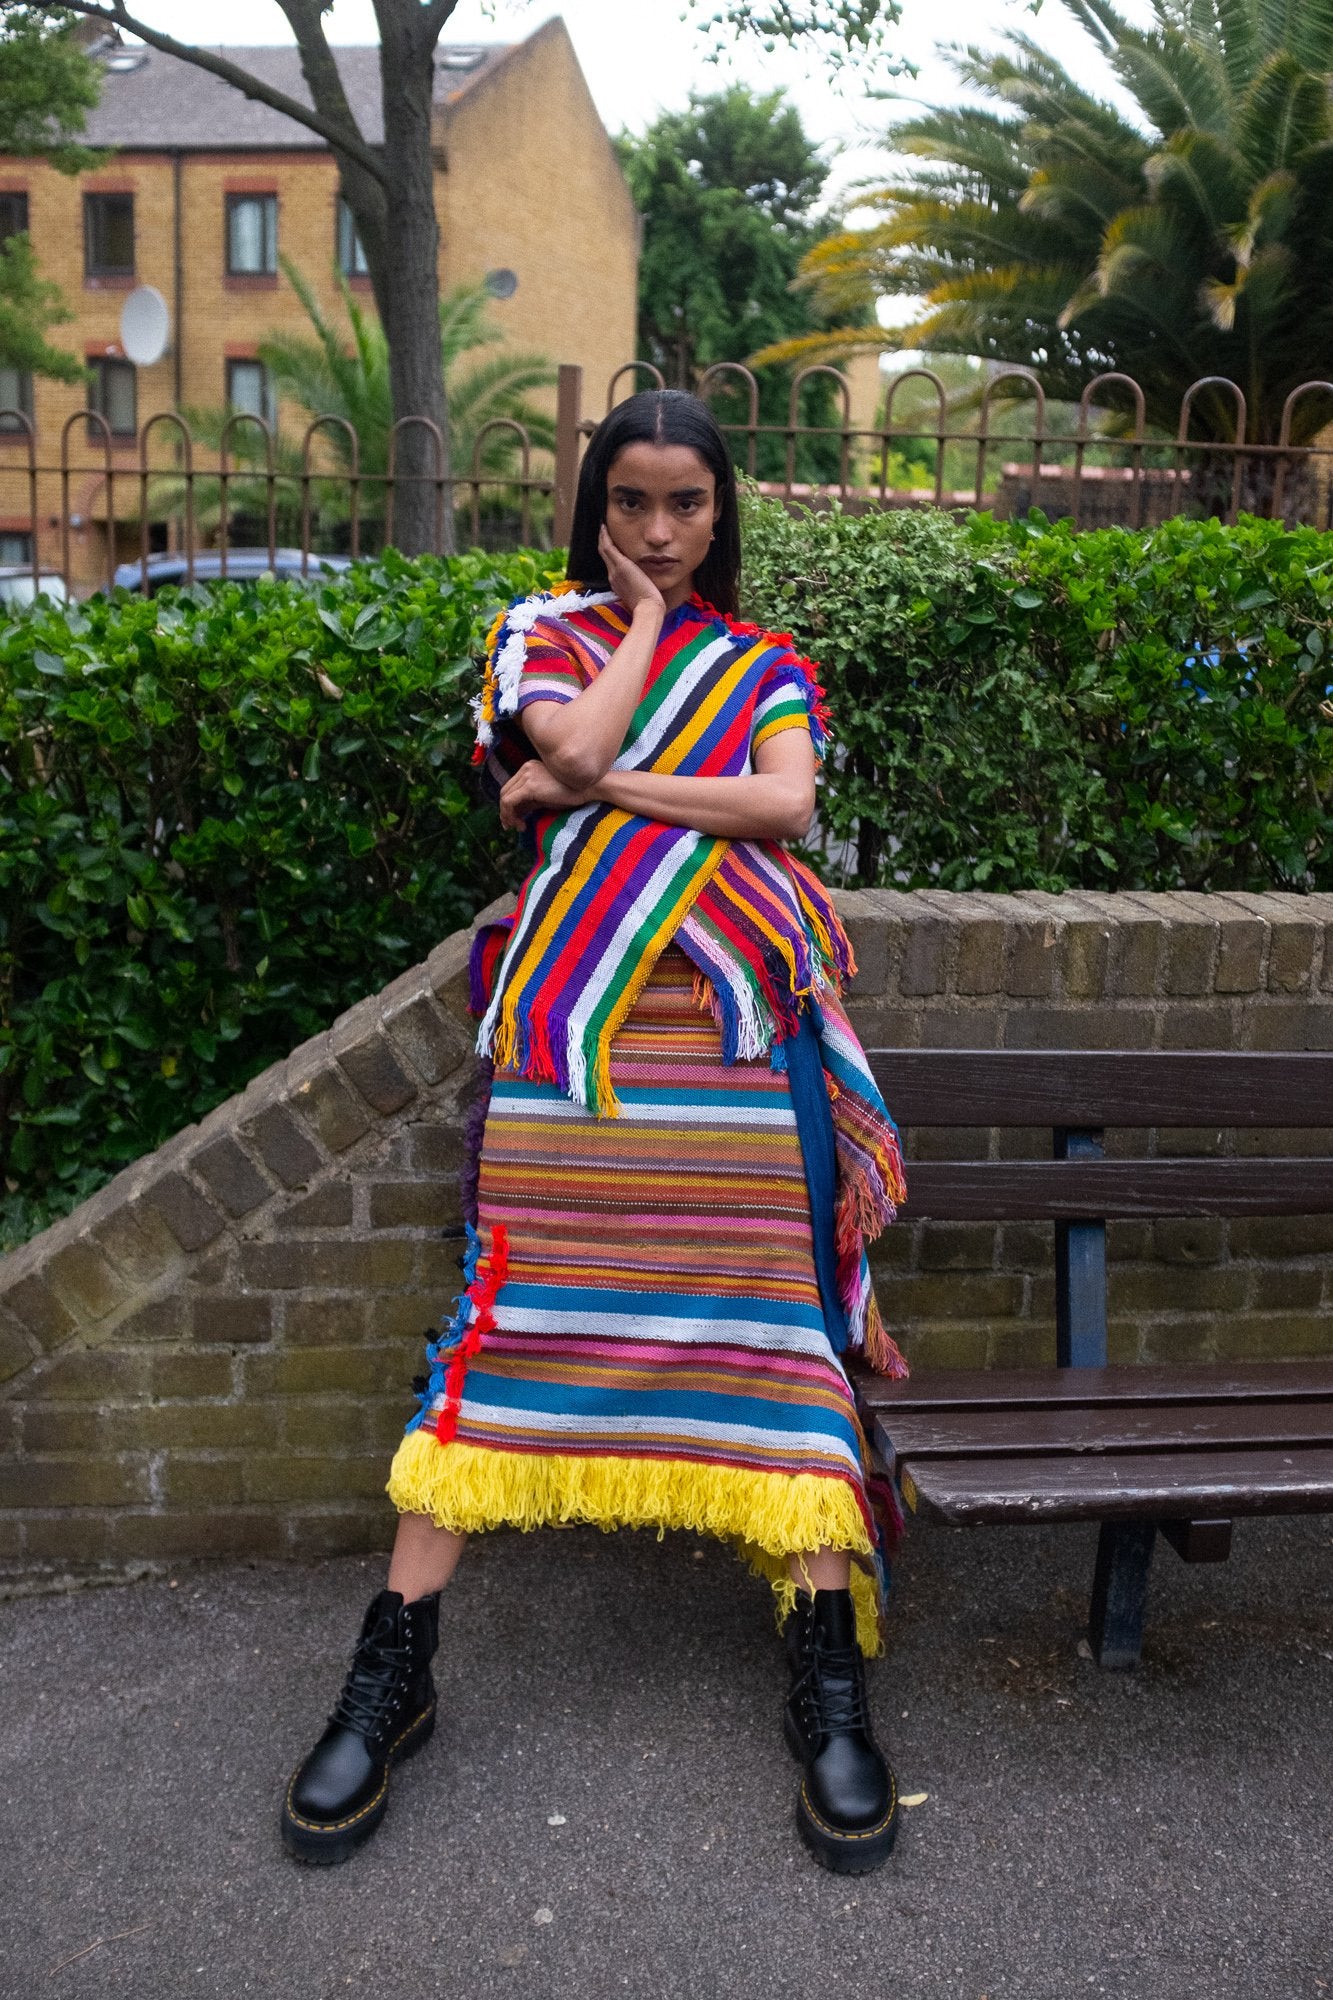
x,y
1104,1087
1149,1484
1048,1190
907,1438
1145,1382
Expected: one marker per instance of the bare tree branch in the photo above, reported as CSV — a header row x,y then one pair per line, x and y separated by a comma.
x,y
434,16
319,67
345,138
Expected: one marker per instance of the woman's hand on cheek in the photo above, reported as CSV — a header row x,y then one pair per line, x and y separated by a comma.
x,y
532,789
630,584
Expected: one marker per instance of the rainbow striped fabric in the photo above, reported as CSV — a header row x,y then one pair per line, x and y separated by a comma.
x,y
642,1341
649,1334
610,890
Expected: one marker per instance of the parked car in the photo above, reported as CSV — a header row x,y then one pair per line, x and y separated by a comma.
x,y
243,566
17,589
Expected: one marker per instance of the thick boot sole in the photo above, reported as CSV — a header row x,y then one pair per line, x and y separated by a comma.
x,y
842,1850
325,1843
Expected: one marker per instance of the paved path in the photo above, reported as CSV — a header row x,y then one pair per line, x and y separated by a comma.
x,y
607,1808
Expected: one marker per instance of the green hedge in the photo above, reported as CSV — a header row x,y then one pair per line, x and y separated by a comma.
x,y
225,815
1021,707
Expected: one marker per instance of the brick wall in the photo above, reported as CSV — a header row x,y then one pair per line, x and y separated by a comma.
x,y
1114,972
212,1355
534,184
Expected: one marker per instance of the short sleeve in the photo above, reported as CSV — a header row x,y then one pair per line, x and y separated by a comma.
x,y
783,701
553,666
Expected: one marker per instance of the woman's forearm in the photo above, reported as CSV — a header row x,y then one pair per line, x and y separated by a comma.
x,y
773,805
579,740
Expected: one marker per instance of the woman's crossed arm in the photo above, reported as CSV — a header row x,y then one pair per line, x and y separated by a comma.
x,y
775,802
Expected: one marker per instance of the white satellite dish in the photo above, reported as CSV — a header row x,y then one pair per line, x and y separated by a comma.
x,y
145,325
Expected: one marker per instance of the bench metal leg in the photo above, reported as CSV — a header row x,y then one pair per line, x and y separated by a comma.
x,y
1198,1541
1120,1591
1080,1269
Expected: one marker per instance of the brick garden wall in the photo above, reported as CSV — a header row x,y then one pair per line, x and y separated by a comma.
x,y
212,1356
1110,972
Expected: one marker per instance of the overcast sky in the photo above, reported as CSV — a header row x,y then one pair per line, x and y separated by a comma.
x,y
641,57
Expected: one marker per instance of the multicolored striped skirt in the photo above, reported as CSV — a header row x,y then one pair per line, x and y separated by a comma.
x,y
642,1344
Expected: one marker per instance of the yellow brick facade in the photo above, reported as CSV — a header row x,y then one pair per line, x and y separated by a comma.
x,y
533,185
527,181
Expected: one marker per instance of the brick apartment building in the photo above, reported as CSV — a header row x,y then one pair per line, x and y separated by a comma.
x,y
206,190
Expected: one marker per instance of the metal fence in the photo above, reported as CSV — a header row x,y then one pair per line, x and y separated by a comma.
x,y
112,503
108,502
1007,447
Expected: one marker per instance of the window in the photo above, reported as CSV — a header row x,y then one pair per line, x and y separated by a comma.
x,y
351,257
108,235
15,394
249,388
13,215
15,548
113,394
252,235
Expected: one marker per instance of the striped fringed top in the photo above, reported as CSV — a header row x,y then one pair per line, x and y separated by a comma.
x,y
610,889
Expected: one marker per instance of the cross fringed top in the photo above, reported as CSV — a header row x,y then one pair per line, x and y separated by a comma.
x,y
611,889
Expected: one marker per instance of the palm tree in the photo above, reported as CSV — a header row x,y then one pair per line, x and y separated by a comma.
x,y
325,377
1048,229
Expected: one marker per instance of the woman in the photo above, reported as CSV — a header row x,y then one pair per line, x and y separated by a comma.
x,y
683,1150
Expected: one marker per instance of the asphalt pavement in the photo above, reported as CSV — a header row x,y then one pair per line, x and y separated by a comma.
x,y
607,1806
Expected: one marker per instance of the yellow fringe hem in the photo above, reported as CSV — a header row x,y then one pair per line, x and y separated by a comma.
x,y
769,1516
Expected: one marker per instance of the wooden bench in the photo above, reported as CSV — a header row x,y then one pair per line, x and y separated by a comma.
x,y
1143,1449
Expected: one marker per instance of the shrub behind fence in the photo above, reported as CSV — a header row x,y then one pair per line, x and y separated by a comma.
x,y
229,813
1022,707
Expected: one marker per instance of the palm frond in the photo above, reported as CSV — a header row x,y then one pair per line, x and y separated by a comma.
x,y
1100,20
1305,27
464,321
1195,169
1284,111
1043,226
830,346
1242,41
325,375
1173,83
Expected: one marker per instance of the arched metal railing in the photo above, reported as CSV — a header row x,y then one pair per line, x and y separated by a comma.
x,y
102,499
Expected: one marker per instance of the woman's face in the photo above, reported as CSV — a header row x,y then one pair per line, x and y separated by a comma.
x,y
661,505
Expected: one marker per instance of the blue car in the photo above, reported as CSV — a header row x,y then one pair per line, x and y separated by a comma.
x,y
243,566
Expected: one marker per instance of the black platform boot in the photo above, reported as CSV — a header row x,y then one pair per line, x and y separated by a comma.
x,y
386,1710
847,1808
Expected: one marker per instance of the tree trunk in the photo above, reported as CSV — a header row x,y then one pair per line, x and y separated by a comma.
x,y
407,285
391,193
395,220
394,212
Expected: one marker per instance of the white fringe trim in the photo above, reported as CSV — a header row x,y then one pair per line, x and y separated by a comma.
x,y
754,1029
512,648
578,1068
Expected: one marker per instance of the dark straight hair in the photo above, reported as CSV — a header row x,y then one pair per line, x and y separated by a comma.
x,y
659,416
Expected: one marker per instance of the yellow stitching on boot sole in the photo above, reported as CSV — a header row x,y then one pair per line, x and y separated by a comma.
x,y
839,1833
341,1825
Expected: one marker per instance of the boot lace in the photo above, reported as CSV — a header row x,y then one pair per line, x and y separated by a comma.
x,y
837,1690
373,1687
